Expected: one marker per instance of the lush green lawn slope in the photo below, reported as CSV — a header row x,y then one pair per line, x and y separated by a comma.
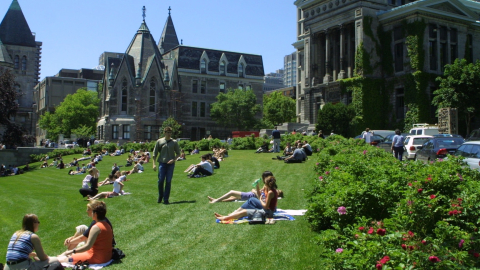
x,y
182,235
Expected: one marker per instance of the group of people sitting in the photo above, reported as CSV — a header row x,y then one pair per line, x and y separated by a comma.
x,y
205,167
259,200
92,243
12,170
296,154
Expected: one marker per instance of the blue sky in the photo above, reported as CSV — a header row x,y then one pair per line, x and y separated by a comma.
x,y
75,33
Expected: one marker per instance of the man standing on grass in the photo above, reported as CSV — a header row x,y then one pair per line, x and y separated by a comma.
x,y
276,140
166,152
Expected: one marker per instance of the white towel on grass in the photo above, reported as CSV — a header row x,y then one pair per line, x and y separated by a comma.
x,y
291,212
91,266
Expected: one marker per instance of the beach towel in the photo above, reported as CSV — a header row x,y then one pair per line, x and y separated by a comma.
x,y
91,266
244,220
291,212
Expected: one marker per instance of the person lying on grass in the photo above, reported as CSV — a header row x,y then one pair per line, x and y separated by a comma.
x,y
233,195
253,205
82,231
117,190
98,247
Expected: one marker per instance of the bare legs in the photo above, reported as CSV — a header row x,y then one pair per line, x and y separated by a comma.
x,y
240,212
228,197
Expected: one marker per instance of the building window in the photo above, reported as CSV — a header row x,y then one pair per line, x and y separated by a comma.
x,y
151,132
432,46
115,132
240,86
469,50
194,108
126,132
248,87
453,45
24,63
152,96
203,66
399,57
202,109
124,96
148,133
222,87
195,86
203,87
16,62
240,70
222,68
400,104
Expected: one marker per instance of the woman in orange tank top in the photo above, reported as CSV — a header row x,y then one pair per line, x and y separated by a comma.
x,y
98,248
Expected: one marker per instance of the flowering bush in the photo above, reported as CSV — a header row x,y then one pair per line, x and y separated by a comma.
x,y
387,214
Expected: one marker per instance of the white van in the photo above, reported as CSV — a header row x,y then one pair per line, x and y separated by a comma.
x,y
424,129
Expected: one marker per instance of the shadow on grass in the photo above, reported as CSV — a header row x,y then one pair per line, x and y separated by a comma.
x,y
179,202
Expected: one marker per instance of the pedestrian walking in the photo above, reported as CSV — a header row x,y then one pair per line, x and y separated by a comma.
x,y
397,144
276,140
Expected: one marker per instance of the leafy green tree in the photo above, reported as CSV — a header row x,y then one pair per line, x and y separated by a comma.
x,y
83,132
77,110
278,108
460,88
236,108
176,127
336,117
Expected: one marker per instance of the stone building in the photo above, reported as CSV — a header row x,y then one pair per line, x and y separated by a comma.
x,y
52,90
336,36
20,53
152,82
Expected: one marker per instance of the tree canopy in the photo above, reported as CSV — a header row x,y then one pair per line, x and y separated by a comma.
x,y
336,117
176,127
79,110
460,88
278,108
236,108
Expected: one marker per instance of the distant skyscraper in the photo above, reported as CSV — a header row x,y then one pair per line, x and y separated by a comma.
x,y
273,80
290,70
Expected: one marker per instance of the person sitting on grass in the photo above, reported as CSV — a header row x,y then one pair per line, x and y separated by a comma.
x,y
182,155
73,163
115,168
61,165
129,161
44,164
91,180
254,205
263,148
54,163
307,148
82,231
195,151
117,190
234,195
98,247
298,155
203,168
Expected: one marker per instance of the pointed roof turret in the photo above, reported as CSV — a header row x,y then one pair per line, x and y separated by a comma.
x,y
168,39
5,59
14,29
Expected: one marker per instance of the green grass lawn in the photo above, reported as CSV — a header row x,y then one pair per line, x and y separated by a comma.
x,y
182,235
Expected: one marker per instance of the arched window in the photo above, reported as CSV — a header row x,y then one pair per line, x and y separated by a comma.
x,y
203,66
222,68
152,96
240,70
124,99
24,63
16,62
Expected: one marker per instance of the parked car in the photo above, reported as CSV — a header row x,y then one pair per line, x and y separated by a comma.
x,y
412,144
424,129
387,142
438,147
474,135
376,139
70,144
471,152
383,133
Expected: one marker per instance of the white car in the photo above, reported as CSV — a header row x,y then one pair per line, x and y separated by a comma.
x,y
471,151
70,144
411,144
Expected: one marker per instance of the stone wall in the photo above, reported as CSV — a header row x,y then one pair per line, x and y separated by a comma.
x,y
21,155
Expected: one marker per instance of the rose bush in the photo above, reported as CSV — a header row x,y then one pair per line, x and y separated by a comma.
x,y
374,207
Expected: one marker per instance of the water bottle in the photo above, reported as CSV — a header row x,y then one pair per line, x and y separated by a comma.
x,y
254,184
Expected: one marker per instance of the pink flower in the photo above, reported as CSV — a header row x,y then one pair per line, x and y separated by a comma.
x,y
424,242
411,247
384,260
420,190
320,178
434,259
410,184
404,246
432,196
339,250
342,210
379,266
370,231
336,168
410,202
381,232
411,233
476,255
364,152
327,172
460,244
317,163
356,236
361,228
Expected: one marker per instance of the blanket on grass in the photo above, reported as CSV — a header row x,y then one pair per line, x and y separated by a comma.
x,y
244,220
91,266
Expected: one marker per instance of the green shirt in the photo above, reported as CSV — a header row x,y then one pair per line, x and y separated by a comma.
x,y
165,151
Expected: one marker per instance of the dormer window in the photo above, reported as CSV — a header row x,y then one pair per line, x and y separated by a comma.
x,y
240,70
222,68
203,66
16,62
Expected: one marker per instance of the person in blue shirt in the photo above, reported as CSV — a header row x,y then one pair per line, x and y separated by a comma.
x,y
276,140
397,144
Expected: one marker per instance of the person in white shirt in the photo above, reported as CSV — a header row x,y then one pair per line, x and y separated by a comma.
x,y
367,136
203,168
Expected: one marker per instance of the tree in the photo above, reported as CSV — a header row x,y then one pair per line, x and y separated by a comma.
x,y
84,132
77,110
278,108
13,134
335,117
236,108
460,88
176,127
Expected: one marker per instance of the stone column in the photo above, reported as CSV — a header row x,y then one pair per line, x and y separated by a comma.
x,y
439,68
341,74
449,51
328,71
